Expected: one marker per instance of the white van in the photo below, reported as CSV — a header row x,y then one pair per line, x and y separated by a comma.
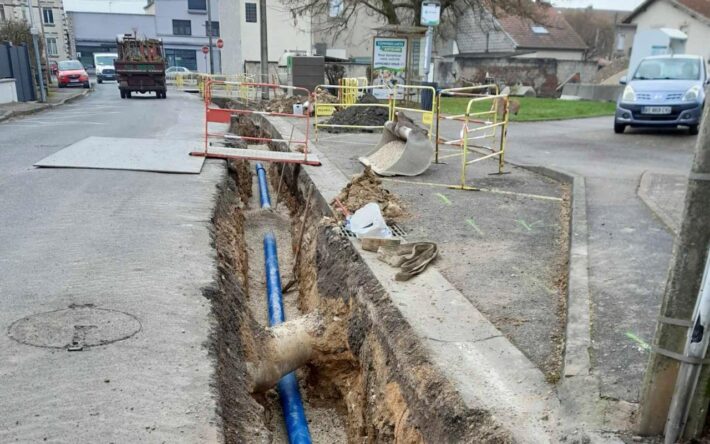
x,y
103,63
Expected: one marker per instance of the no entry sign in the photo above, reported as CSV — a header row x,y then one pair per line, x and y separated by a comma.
x,y
220,43
205,50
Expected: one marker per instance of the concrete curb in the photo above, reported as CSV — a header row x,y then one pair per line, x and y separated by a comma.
x,y
661,214
578,339
11,114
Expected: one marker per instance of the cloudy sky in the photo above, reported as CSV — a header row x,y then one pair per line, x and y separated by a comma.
x,y
621,5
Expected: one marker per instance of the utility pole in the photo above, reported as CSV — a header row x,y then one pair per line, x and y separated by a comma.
x,y
35,45
40,12
430,16
209,35
680,297
264,50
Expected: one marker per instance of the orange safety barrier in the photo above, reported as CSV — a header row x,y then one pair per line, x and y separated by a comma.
x,y
224,115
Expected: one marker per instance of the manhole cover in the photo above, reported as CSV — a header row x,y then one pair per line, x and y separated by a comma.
x,y
74,328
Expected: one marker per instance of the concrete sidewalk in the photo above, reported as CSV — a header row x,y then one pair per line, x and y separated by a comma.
x,y
56,97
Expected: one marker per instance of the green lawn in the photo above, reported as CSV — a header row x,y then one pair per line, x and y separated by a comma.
x,y
534,108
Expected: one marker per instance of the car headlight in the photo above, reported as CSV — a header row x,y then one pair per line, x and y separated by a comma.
x,y
629,95
692,94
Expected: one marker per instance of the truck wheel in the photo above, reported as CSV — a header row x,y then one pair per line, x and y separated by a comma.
x,y
123,94
128,94
164,94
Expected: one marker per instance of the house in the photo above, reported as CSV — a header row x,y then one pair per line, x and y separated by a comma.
x,y
241,26
543,52
692,17
51,21
181,24
547,37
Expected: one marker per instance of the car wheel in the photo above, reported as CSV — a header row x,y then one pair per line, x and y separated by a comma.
x,y
61,86
87,85
693,130
619,128
99,81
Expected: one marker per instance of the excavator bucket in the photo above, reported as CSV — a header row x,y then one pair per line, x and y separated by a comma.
x,y
403,150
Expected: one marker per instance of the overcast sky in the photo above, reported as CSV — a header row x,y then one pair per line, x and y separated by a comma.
x,y
621,5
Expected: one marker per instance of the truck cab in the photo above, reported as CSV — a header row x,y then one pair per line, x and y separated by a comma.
x,y
103,64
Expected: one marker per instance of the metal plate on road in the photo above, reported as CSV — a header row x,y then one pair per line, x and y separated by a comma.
x,y
116,153
656,109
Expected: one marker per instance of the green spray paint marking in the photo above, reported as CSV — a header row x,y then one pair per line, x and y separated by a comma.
x,y
638,340
444,198
475,227
526,226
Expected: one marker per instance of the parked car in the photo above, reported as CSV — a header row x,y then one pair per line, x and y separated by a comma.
x,y
664,91
72,73
173,71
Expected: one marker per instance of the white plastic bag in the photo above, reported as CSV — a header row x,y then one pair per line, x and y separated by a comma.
x,y
368,221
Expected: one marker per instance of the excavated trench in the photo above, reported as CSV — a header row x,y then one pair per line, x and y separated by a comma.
x,y
367,377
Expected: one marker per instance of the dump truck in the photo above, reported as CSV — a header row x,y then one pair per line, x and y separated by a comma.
x,y
140,66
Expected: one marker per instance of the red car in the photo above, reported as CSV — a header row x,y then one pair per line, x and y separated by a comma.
x,y
72,73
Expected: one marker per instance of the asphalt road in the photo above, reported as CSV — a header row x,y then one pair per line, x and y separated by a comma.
x,y
629,246
93,256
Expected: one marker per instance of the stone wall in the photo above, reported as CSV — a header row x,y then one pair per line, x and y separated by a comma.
x,y
544,75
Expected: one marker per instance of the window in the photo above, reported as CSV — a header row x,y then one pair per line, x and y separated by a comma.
x,y
48,16
620,41
182,57
539,29
52,46
182,27
250,12
336,8
2,13
197,5
215,29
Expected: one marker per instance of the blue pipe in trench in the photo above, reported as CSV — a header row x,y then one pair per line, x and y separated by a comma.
x,y
291,403
263,187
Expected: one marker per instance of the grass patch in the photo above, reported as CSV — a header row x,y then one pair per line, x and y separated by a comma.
x,y
536,108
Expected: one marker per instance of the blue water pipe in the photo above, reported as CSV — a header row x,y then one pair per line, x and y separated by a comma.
x,y
263,187
291,403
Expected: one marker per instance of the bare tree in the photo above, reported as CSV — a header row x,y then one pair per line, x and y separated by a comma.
x,y
596,29
404,12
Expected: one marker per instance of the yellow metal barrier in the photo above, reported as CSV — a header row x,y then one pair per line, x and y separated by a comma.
x,y
407,90
500,126
349,90
327,109
467,91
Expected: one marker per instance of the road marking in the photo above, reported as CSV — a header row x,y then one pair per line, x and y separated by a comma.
x,y
443,198
643,344
472,223
530,226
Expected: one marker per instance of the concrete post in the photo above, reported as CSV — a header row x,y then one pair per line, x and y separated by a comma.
x,y
682,286
264,50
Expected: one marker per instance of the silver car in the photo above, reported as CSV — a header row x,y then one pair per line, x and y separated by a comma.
x,y
664,91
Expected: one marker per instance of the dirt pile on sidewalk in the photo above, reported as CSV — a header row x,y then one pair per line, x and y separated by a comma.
x,y
359,115
365,188
282,104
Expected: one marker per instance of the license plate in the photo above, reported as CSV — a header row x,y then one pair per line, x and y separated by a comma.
x,y
74,80
656,109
